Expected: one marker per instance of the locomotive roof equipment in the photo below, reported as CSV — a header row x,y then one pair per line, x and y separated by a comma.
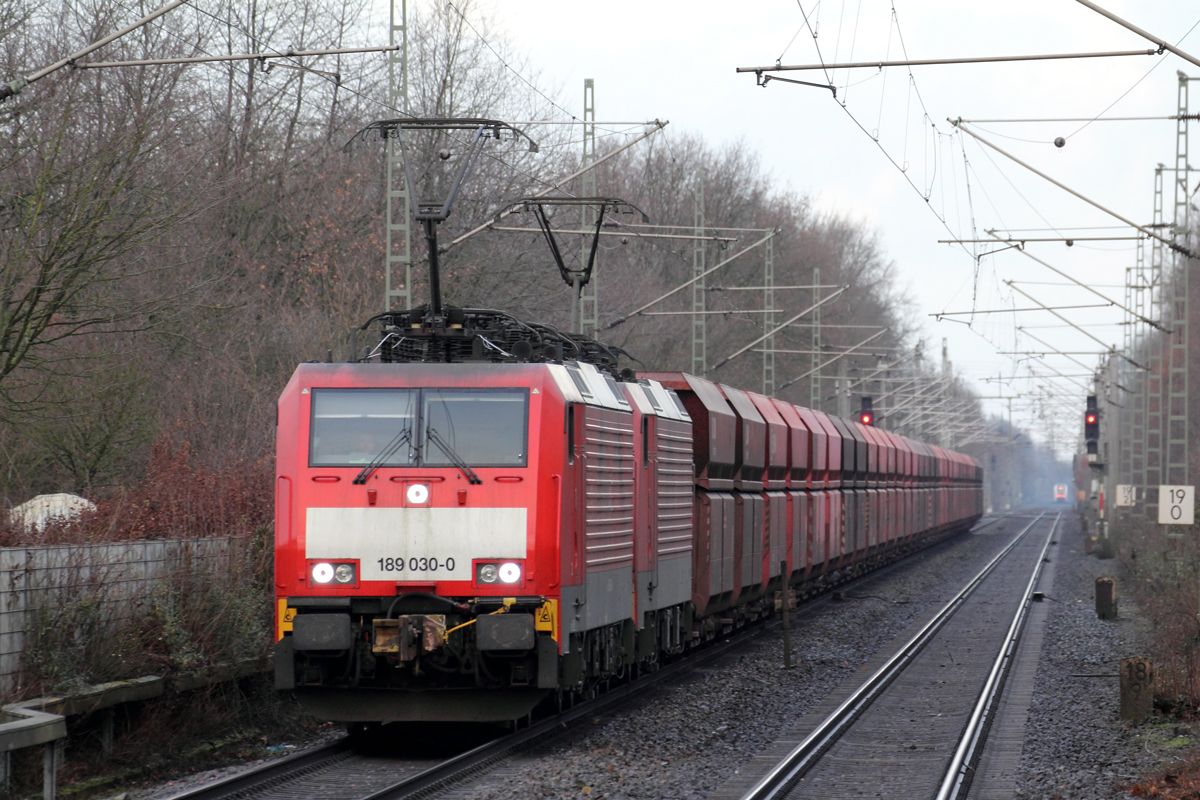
x,y
431,212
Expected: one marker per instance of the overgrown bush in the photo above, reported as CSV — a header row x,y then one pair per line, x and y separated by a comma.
x,y
179,497
1162,575
205,610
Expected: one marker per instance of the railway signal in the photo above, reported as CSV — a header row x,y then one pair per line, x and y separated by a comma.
x,y
1091,426
866,416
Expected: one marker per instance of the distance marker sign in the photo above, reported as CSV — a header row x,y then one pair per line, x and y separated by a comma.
x,y
1126,494
1176,505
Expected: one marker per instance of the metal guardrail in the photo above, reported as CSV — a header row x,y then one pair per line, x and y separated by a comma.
x,y
43,720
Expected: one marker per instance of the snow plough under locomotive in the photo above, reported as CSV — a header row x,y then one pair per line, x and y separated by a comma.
x,y
488,515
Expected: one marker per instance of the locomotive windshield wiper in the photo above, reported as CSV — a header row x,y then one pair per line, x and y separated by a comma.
x,y
454,457
403,437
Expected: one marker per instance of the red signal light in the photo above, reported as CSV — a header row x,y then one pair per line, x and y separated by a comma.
x,y
866,418
1091,419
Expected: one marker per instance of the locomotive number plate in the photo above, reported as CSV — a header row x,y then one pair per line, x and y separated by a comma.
x,y
413,564
415,543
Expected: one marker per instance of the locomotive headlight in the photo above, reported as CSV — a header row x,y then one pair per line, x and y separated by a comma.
x,y
344,573
418,493
322,573
487,573
510,572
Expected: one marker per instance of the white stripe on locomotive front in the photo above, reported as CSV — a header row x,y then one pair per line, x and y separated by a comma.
x,y
371,534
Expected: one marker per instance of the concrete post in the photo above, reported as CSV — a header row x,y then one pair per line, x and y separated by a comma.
x,y
1137,688
50,765
1106,597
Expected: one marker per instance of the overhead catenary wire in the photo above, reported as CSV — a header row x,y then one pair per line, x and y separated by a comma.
x,y
1024,239
1131,88
506,65
1092,289
921,62
17,84
778,328
401,112
903,171
689,282
1015,310
277,54
820,367
232,57
1168,242
1162,43
659,125
1175,117
1094,338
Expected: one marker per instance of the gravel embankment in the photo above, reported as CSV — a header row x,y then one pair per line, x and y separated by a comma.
x,y
690,736
1076,747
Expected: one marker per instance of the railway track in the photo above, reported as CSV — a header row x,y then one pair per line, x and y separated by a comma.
x,y
440,757
341,771
916,726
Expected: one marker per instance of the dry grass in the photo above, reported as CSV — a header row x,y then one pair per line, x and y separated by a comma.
x,y
1163,577
1180,781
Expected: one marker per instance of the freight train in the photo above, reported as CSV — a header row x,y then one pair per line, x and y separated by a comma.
x,y
484,515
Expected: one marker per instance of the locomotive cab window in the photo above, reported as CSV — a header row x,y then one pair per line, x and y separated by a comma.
x,y
419,427
353,427
482,427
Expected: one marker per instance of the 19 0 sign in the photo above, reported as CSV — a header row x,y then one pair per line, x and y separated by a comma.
x,y
1176,505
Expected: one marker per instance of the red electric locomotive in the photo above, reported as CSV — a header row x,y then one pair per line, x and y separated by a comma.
x,y
486,515
481,514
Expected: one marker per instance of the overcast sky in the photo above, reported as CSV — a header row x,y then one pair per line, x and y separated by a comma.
x,y
676,61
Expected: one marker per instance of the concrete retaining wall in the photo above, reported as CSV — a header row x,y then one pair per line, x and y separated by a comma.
x,y
35,581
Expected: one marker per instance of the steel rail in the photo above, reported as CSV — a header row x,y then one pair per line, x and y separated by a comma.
x,y
249,779
255,778
957,780
462,765
498,749
781,779
456,766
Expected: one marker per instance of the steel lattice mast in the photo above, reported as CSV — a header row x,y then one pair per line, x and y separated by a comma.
x,y
397,254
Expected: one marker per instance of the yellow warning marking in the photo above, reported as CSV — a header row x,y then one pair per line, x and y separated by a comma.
x,y
285,616
546,618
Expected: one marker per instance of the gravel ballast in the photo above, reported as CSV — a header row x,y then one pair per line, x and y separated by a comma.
x,y
1076,746
689,737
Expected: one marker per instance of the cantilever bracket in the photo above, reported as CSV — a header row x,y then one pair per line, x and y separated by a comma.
x,y
577,278
1013,246
763,79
